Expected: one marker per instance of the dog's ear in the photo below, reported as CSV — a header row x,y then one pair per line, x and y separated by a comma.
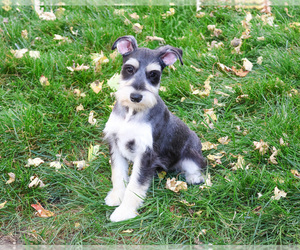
x,y
169,55
125,45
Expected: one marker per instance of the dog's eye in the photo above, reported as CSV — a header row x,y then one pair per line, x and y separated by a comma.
x,y
129,70
152,74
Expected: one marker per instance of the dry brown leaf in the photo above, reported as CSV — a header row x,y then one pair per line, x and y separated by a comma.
x,y
2,205
134,16
34,162
239,164
155,38
170,12
240,72
78,67
80,164
278,194
247,65
96,86
197,69
261,146
259,60
24,34
208,146
19,53
175,186
35,181
295,173
44,81
224,140
272,158
42,212
91,119
187,203
80,108
56,165
137,28
12,178
240,97
207,183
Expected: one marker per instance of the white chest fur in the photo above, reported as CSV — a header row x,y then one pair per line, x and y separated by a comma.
x,y
132,136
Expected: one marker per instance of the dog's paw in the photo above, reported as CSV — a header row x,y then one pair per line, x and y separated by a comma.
x,y
123,213
114,198
194,179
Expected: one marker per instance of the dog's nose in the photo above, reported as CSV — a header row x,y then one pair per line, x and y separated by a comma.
x,y
136,97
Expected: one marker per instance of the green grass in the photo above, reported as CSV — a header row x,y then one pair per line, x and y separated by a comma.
x,y
42,121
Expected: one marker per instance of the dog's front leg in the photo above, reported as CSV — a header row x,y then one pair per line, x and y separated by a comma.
x,y
140,180
119,177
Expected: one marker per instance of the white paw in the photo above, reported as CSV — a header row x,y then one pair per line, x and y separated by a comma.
x,y
195,179
114,197
123,213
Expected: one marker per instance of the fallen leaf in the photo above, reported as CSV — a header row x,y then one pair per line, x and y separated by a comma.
x,y
24,34
2,205
98,60
162,88
295,173
217,32
78,67
187,203
240,97
93,152
259,195
170,12
62,39
257,209
211,27
223,67
12,178
278,194
119,12
197,69
113,55
134,16
34,54
261,146
272,158
221,93
208,146
35,181
79,108
44,81
282,143
137,28
34,162
239,164
261,38
77,224
129,231
19,53
207,183
224,140
96,86
80,164
175,186
56,165
78,93
48,16
155,38
42,212
247,65
215,157
240,72
259,60
200,14
113,82
91,119
75,33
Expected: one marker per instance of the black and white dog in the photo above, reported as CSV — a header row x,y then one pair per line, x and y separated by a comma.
x,y
142,130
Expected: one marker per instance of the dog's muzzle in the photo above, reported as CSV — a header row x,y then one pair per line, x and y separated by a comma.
x,y
134,97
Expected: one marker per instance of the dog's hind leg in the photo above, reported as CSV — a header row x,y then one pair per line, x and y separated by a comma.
x,y
142,173
119,169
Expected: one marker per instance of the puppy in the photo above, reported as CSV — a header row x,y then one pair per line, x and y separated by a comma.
x,y
143,131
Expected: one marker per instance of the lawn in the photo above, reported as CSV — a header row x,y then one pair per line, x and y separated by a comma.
x,y
239,82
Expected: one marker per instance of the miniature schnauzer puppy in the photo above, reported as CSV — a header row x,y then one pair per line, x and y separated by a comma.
x,y
143,131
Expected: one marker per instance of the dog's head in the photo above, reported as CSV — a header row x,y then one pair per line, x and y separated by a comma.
x,y
141,72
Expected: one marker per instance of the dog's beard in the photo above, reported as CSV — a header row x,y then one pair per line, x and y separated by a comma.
x,y
148,101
